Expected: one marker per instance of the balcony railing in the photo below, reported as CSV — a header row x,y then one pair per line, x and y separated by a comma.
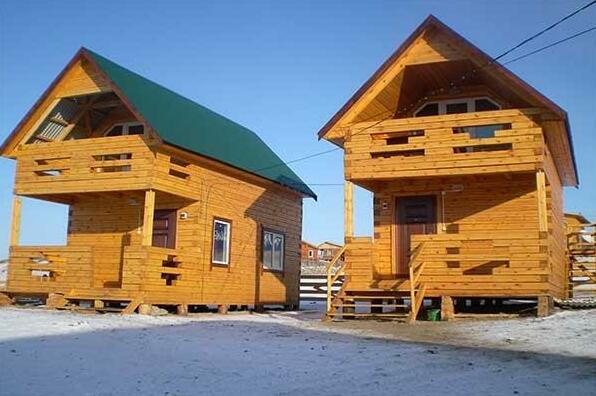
x,y
99,164
457,144
48,269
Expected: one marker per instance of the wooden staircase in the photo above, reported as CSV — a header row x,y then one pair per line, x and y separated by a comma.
x,y
375,303
581,253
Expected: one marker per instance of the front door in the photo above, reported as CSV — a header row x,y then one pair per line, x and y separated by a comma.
x,y
164,228
413,215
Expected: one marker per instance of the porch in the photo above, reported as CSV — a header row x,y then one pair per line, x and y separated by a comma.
x,y
465,237
120,245
79,272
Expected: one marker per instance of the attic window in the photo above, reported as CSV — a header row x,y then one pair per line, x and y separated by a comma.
x,y
127,128
457,106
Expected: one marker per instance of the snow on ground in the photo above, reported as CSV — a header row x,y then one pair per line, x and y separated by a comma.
x,y
51,353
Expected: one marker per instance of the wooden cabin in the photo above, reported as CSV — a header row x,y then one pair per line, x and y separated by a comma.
x,y
169,202
467,165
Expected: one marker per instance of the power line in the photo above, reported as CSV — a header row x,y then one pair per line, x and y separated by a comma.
x,y
452,84
551,45
540,33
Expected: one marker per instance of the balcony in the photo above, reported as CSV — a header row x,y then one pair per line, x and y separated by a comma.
x,y
445,145
99,165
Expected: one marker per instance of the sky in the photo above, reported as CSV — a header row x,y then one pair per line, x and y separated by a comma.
x,y
282,69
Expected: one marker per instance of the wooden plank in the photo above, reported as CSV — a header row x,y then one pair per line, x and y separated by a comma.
x,y
148,210
348,209
15,224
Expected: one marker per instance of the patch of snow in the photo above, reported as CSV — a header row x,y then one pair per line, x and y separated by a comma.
x,y
53,353
3,272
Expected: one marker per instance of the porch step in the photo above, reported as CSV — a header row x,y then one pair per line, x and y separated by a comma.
x,y
370,305
374,315
377,296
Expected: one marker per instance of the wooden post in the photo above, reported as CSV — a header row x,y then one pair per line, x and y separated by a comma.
x,y
348,209
15,227
545,306
147,235
541,194
182,309
447,309
145,309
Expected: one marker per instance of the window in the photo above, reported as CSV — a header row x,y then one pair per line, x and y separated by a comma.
x,y
310,254
220,253
273,250
456,106
430,109
127,128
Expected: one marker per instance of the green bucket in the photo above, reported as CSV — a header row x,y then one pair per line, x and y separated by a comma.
x,y
433,315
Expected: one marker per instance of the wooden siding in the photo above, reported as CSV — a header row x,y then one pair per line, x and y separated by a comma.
x,y
107,224
438,150
488,241
557,239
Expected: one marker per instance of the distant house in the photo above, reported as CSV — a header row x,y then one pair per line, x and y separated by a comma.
x,y
169,202
308,251
575,220
328,250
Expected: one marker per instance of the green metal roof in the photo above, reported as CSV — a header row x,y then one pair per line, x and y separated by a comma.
x,y
183,123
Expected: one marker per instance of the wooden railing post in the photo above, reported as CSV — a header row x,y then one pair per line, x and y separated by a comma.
x,y
348,209
15,226
147,234
332,277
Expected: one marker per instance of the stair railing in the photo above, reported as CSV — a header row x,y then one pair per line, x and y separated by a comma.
x,y
417,288
332,277
581,253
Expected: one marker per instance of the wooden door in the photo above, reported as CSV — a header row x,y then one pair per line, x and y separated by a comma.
x,y
164,228
413,215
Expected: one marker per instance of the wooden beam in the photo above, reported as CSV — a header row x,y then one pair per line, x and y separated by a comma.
x,y
447,308
15,227
545,306
72,123
348,209
108,104
541,194
147,234
39,120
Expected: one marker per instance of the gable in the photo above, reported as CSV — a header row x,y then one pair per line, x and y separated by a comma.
x,y
432,61
177,120
76,79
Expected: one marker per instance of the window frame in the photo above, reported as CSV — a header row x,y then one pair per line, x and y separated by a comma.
x,y
125,128
470,102
274,232
228,245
